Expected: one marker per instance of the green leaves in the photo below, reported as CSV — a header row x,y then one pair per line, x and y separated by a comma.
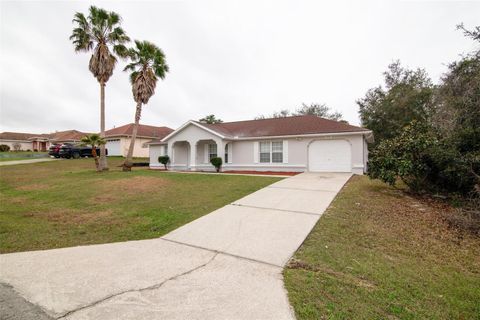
x,y
100,32
93,140
147,64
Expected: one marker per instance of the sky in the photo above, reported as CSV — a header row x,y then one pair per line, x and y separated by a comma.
x,y
234,59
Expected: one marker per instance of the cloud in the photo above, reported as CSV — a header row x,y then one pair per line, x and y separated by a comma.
x,y
234,59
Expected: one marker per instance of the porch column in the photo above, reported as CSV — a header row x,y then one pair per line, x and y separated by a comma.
x,y
170,152
193,155
221,151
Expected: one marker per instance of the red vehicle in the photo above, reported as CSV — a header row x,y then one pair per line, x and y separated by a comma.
x,y
54,150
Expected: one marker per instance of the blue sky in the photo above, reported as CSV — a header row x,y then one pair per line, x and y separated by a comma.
x,y
234,59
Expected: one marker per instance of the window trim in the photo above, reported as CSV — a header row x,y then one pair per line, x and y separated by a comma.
x,y
271,152
215,155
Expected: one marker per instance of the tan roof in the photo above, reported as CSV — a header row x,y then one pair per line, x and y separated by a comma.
x,y
20,135
296,125
68,135
143,131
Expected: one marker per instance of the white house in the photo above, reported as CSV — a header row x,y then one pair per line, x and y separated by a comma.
x,y
118,139
293,144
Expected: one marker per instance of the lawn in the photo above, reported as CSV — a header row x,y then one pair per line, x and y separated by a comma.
x,y
378,253
21,155
66,203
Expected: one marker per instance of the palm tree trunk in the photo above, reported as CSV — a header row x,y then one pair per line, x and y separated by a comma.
x,y
103,156
94,153
127,165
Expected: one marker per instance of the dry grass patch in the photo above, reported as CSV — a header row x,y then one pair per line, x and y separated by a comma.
x,y
114,190
71,216
32,187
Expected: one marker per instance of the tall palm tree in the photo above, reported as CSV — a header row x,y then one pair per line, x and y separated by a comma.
x,y
147,65
100,32
94,140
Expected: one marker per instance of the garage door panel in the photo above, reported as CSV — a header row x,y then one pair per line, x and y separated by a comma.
x,y
113,147
330,156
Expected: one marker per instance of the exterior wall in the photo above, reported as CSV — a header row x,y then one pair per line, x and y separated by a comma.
x,y
24,145
139,150
242,156
154,152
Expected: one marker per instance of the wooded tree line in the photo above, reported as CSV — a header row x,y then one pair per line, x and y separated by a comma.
x,y
427,134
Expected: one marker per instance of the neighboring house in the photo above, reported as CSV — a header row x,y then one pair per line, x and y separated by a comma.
x,y
69,136
299,143
40,142
118,139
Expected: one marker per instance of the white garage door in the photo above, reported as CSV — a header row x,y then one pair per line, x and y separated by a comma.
x,y
113,147
330,156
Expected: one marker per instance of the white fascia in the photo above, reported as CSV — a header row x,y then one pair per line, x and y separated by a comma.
x,y
195,124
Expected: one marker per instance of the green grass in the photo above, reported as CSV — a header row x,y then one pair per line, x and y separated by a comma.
x,y
66,203
21,155
378,253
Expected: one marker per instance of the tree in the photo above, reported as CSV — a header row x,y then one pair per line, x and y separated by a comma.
x,y
100,32
164,160
17,146
474,34
210,119
407,96
319,110
94,140
147,64
4,148
315,109
217,163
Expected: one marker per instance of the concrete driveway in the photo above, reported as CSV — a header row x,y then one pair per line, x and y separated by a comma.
x,y
227,264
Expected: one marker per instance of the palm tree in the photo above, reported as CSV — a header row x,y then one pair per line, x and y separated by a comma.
x,y
147,65
99,32
94,140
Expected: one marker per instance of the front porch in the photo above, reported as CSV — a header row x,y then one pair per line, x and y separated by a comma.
x,y
195,155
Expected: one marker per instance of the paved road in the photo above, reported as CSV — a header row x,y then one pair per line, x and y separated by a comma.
x,y
27,161
227,264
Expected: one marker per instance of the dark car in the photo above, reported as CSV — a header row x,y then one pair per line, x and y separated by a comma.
x,y
54,150
76,151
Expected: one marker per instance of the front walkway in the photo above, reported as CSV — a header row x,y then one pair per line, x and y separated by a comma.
x,y
227,264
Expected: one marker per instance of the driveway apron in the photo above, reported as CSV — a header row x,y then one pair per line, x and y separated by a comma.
x,y
225,265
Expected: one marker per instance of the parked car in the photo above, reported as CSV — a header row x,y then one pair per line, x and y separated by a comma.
x,y
77,151
54,150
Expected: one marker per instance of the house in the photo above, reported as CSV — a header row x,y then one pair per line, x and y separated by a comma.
x,y
295,144
118,139
41,142
68,136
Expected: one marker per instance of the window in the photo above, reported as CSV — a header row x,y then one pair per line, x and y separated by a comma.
x,y
226,153
212,151
271,151
277,151
265,152
165,150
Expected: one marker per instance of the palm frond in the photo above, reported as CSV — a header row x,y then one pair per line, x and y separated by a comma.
x,y
148,63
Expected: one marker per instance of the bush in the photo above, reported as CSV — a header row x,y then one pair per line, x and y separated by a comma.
x,y
423,162
4,148
217,163
34,150
17,146
164,160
